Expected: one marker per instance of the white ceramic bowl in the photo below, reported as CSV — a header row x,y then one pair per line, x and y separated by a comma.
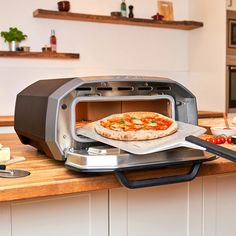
x,y
223,131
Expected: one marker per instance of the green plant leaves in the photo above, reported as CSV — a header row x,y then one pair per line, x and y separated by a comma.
x,y
13,34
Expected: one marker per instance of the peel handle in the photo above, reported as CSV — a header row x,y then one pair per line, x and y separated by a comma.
x,y
213,148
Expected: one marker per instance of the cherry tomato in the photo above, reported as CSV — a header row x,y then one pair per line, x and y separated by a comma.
x,y
223,140
213,140
229,140
218,140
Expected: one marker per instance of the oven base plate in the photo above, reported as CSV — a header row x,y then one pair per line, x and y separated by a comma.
x,y
116,159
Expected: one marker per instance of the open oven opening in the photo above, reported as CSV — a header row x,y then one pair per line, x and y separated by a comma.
x,y
92,111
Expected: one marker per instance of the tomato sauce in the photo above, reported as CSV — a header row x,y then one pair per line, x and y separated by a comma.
x,y
128,123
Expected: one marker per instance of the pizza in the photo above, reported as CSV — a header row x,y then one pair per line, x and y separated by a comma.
x,y
136,126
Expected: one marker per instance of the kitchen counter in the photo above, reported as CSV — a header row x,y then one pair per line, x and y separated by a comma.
x,y
50,178
216,121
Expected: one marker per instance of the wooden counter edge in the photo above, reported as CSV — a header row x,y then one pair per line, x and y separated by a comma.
x,y
57,189
74,183
107,181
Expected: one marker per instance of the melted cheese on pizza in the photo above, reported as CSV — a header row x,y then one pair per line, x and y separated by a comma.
x,y
132,123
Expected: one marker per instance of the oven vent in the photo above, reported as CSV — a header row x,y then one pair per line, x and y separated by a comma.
x,y
83,89
104,88
163,88
125,88
148,88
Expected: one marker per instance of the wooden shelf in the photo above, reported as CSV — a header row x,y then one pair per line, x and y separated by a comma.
x,y
41,55
6,121
210,114
182,25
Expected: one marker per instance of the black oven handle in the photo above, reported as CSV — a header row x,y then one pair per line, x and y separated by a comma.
x,y
213,148
232,68
132,184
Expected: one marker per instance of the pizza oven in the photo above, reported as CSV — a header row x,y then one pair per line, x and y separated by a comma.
x,y
51,115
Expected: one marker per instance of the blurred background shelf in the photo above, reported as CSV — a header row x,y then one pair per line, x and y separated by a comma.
x,y
41,55
6,121
182,25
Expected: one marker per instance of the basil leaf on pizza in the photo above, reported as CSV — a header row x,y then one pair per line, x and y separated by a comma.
x,y
136,126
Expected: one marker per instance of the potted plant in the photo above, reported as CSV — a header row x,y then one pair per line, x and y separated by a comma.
x,y
14,36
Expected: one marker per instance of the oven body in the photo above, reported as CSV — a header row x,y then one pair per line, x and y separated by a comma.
x,y
48,114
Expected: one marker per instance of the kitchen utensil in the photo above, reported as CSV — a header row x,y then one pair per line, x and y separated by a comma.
x,y
158,17
13,173
148,146
63,6
116,13
221,130
226,120
14,159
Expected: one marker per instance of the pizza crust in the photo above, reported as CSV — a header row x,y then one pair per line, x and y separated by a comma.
x,y
138,134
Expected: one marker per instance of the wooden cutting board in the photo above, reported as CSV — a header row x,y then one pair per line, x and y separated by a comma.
x,y
165,8
13,160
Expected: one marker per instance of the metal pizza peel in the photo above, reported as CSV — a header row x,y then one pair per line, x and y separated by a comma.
x,y
148,146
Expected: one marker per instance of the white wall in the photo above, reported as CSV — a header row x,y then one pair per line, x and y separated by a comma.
x,y
231,5
207,54
195,58
104,48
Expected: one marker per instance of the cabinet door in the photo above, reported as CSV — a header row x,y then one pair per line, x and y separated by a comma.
x,y
5,219
219,194
167,210
83,214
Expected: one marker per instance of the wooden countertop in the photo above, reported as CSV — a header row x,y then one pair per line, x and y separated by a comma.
x,y
50,178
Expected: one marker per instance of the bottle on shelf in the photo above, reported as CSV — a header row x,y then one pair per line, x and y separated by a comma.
x,y
123,9
53,41
131,14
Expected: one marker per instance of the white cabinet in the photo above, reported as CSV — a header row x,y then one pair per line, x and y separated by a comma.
x,y
5,219
220,205
82,214
166,210
203,207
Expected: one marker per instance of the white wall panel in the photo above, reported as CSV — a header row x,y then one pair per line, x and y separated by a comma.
x,y
104,48
207,54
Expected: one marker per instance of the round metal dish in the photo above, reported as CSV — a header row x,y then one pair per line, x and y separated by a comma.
x,y
13,173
